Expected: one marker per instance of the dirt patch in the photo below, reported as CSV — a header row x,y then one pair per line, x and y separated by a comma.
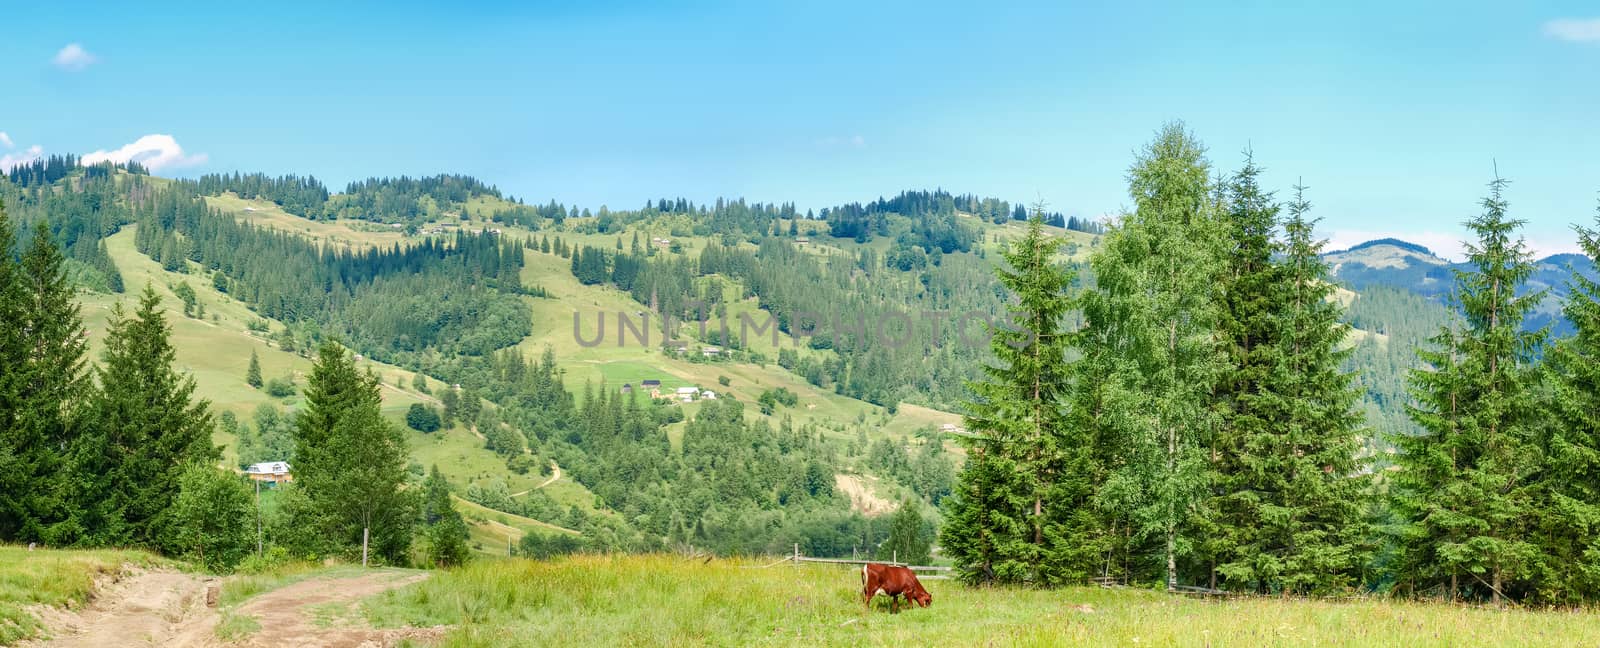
x,y
168,609
321,612
862,499
143,608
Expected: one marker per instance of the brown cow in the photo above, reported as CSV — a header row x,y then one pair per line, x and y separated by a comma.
x,y
893,582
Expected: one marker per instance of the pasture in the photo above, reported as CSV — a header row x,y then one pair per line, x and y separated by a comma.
x,y
675,601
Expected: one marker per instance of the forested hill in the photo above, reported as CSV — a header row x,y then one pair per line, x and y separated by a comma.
x,y
465,300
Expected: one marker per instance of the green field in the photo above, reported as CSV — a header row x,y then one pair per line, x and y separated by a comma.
x,y
671,600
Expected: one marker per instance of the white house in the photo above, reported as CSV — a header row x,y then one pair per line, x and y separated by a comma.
x,y
708,395
270,471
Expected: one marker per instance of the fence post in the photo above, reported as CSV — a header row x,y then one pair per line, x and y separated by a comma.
x,y
796,554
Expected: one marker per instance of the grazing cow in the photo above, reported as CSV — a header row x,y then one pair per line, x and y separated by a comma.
x,y
893,582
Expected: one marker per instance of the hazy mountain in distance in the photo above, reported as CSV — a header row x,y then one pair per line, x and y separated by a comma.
x,y
1400,264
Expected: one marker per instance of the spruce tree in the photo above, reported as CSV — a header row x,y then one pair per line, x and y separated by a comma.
x,y
1154,357
146,427
16,491
447,532
351,463
1020,481
1464,495
1570,496
252,375
1290,489
54,387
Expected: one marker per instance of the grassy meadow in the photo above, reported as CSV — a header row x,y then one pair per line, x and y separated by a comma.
x,y
668,600
675,601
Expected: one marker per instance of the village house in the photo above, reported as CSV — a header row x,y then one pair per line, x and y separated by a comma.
x,y
708,395
710,351
270,471
627,388
687,394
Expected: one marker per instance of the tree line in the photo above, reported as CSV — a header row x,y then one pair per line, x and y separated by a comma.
x,y
1197,429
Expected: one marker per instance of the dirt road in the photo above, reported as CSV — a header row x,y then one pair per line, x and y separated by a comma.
x,y
168,609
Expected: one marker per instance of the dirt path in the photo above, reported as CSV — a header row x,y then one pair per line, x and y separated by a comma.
x,y
168,609
145,608
289,616
555,474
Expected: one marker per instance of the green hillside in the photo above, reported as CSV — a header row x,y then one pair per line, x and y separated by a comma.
x,y
875,417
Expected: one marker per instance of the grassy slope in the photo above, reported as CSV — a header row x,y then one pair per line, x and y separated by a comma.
x,y
667,600
55,578
217,351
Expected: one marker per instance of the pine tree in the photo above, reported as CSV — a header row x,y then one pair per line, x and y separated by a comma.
x,y
447,532
146,427
1570,496
351,463
1290,490
54,388
1005,522
1153,356
252,375
1464,495
16,491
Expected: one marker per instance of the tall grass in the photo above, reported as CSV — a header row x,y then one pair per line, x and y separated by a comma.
x,y
55,578
670,601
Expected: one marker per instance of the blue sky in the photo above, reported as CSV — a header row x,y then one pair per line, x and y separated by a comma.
x,y
1394,115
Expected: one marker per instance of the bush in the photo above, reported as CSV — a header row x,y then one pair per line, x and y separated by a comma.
x,y
211,518
422,418
280,387
544,547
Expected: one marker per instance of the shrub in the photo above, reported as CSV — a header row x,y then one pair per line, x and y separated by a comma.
x,y
422,418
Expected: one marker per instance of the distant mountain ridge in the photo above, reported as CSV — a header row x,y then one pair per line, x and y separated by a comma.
x,y
1404,245
1409,266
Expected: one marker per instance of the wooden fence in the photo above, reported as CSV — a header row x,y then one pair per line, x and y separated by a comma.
x,y
930,572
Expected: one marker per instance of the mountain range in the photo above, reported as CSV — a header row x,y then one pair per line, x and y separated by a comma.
x,y
1409,266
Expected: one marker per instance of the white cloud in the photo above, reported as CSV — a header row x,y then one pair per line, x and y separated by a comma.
x,y
6,140
1574,30
73,57
155,152
10,160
